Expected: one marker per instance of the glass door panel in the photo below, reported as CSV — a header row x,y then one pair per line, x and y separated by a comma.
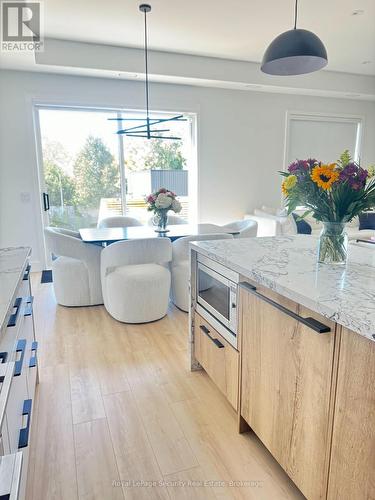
x,y
80,167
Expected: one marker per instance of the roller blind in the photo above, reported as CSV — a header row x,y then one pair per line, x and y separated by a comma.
x,y
322,139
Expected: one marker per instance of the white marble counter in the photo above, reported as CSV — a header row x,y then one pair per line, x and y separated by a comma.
x,y
288,265
12,266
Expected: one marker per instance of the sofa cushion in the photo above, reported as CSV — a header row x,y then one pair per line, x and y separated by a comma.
x,y
367,220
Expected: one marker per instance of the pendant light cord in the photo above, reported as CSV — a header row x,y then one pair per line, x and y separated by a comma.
x,y
295,14
146,68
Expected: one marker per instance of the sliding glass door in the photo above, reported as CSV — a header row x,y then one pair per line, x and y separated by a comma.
x,y
89,172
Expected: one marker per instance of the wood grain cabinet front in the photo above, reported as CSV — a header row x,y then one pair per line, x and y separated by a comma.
x,y
353,444
287,384
218,358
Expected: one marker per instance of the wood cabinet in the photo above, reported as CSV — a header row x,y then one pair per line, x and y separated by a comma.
x,y
218,358
287,381
353,443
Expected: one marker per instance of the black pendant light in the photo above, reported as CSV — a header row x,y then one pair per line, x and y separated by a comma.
x,y
294,52
146,130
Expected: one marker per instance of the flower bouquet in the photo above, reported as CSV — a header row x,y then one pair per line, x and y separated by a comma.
x,y
160,203
334,194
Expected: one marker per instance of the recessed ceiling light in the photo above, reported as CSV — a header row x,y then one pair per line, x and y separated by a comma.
x,y
358,12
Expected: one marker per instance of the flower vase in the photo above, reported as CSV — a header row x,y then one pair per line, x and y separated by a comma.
x,y
160,220
333,244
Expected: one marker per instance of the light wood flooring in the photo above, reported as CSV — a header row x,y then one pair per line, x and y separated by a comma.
x,y
118,409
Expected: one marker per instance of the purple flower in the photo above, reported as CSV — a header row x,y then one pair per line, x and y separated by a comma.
x,y
354,175
299,167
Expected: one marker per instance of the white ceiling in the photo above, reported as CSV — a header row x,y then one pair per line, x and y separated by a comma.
x,y
230,29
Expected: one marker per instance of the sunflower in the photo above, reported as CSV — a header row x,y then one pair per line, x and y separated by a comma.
x,y
325,175
288,184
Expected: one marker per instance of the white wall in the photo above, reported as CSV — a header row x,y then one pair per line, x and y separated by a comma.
x,y
241,138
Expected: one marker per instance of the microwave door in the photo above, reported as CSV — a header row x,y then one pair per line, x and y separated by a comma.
x,y
214,294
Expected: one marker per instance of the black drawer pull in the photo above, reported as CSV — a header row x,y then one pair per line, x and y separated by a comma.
x,y
27,272
3,359
34,349
13,318
217,342
21,347
23,440
309,322
29,306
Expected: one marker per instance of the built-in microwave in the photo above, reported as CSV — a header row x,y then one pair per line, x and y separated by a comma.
x,y
216,297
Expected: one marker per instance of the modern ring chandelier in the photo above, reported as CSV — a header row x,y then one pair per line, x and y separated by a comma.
x,y
146,130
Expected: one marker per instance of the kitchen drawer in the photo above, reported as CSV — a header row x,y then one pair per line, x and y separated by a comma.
x,y
11,469
31,367
24,288
14,411
6,381
219,359
12,331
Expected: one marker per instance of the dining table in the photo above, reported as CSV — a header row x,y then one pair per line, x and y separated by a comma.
x,y
105,236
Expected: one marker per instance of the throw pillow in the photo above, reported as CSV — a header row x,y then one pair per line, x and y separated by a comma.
x,y
367,220
303,227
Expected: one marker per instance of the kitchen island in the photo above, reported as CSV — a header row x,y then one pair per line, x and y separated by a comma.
x,y
300,371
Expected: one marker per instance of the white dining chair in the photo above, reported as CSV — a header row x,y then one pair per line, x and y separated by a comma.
x,y
75,268
136,279
119,221
173,220
180,266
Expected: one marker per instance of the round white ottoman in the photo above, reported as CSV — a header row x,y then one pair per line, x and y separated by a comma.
x,y
138,293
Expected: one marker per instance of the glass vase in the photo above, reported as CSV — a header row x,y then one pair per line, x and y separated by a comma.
x,y
333,244
160,220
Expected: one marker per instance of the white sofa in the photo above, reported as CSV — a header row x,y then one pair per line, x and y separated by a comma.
x,y
180,266
136,279
272,222
76,268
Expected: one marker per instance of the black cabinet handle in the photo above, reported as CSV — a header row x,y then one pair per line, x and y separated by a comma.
x,y
21,347
27,272
23,440
3,357
13,318
217,342
34,349
29,307
309,322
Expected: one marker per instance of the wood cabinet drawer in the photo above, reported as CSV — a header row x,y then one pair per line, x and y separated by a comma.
x,y
287,382
218,358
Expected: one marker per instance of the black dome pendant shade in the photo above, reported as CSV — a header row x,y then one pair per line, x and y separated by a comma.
x,y
294,52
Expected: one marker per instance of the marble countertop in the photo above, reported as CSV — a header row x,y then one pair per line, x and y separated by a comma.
x,y
12,266
288,265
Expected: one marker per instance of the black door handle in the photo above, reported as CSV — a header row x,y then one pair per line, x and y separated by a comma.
x,y
217,342
312,323
46,205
